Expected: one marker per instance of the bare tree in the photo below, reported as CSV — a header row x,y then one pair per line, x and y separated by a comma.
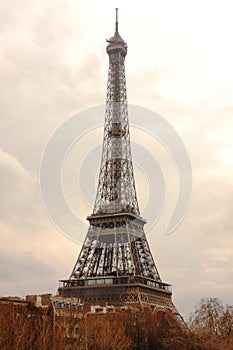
x,y
107,332
212,324
227,327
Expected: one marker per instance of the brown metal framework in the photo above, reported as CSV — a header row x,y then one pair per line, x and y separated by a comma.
x,y
115,263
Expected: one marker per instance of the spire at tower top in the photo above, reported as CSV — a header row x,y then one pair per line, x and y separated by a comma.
x,y
116,23
116,42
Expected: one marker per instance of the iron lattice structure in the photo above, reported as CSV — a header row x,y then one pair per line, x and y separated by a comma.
x,y
116,190
115,263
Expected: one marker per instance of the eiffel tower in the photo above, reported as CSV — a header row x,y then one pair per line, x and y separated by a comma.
x,y
115,264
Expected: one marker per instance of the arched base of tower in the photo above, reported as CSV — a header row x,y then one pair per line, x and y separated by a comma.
x,y
120,291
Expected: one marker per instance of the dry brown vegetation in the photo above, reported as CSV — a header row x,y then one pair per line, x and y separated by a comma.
x,y
212,325
210,328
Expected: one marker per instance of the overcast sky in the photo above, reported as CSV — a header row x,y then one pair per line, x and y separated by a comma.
x,y
53,64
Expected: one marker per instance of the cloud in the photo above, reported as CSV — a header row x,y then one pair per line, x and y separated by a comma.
x,y
17,191
30,246
44,75
53,64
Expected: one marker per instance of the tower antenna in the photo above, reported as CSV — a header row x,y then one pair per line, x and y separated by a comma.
x,y
116,21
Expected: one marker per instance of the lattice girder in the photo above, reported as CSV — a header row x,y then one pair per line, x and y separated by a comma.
x,y
115,246
116,189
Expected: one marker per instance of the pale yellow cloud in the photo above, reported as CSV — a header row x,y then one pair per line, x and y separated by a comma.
x,y
179,64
